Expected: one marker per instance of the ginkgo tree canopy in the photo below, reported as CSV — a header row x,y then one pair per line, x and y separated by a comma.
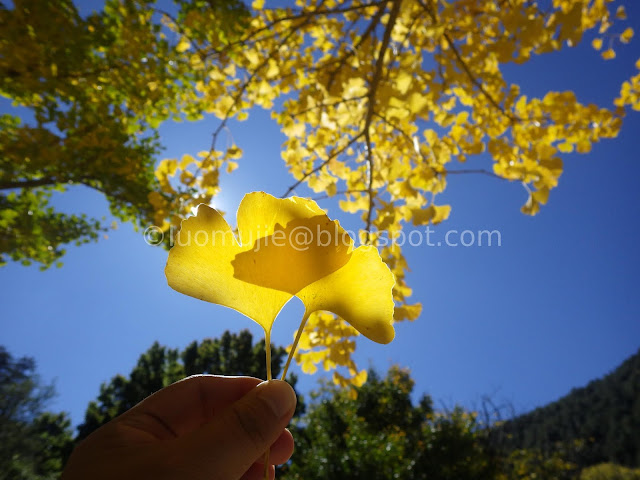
x,y
381,101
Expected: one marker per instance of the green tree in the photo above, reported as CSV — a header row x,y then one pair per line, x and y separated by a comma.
x,y
609,471
532,463
376,432
34,443
160,366
96,88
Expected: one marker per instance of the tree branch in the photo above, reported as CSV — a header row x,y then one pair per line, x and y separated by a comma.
x,y
375,81
32,183
321,165
404,134
300,15
476,82
245,85
343,59
479,171
332,104
466,68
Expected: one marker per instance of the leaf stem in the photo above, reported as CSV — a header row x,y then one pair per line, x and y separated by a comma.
x,y
295,344
267,349
267,340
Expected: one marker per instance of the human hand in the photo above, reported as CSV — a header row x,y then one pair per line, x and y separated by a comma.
x,y
204,427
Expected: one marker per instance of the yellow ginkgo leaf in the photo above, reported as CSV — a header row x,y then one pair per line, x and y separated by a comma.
x,y
258,274
199,265
183,45
432,214
359,292
609,54
627,35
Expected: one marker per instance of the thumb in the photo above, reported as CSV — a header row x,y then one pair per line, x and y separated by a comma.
x,y
239,435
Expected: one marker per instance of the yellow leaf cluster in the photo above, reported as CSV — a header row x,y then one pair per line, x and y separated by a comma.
x,y
380,101
329,341
630,92
187,183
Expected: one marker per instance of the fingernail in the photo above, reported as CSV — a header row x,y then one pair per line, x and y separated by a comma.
x,y
278,395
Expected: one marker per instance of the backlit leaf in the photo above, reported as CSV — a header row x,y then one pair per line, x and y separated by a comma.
x,y
285,247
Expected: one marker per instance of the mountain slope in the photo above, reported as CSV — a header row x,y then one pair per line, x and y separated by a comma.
x,y
605,414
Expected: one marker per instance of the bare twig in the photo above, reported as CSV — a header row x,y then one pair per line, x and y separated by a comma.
x,y
479,171
332,104
321,165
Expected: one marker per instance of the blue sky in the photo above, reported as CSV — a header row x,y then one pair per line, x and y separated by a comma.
x,y
553,307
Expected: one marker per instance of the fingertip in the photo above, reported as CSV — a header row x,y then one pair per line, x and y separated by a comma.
x,y
279,396
282,449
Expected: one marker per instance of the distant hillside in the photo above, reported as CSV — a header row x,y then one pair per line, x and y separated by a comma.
x,y
605,413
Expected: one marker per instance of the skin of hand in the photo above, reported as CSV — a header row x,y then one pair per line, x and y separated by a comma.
x,y
204,427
